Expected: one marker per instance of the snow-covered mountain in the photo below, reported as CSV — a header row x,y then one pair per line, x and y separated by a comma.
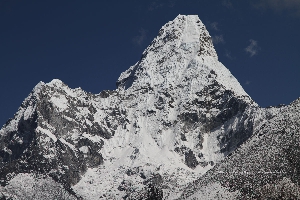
x,y
177,117
266,166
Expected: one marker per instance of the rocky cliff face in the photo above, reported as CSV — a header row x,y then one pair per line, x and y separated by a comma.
x,y
266,166
175,114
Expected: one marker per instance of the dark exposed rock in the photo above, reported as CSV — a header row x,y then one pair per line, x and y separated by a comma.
x,y
105,93
154,187
182,136
25,133
190,159
189,118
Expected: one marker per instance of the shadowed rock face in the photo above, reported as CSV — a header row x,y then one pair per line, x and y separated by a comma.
x,y
14,148
266,166
190,159
176,114
42,142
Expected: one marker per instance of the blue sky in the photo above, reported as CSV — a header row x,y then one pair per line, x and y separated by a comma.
x,y
89,43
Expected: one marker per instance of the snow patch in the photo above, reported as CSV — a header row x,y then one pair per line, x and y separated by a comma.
x,y
47,132
60,102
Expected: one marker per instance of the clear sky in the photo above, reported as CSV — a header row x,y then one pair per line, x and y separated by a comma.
x,y
88,43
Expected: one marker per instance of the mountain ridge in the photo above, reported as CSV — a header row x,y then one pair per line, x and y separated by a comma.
x,y
175,116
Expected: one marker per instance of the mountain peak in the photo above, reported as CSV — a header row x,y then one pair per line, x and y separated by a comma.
x,y
177,113
55,82
182,55
179,45
188,33
193,31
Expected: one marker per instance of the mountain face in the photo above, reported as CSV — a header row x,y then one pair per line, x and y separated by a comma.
x,y
177,118
266,166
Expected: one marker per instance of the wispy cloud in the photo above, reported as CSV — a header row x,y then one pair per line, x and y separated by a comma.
x,y
227,3
253,48
279,5
247,82
155,5
139,39
217,39
214,26
229,55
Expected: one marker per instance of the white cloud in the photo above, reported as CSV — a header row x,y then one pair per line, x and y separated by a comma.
x,y
229,55
253,48
139,39
218,39
155,5
214,26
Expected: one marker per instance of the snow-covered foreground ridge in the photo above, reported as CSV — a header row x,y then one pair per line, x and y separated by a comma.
x,y
176,113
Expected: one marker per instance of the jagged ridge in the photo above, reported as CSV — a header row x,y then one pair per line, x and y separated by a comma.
x,y
176,114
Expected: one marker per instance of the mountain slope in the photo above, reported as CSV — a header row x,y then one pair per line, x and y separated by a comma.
x,y
175,114
264,167
177,101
